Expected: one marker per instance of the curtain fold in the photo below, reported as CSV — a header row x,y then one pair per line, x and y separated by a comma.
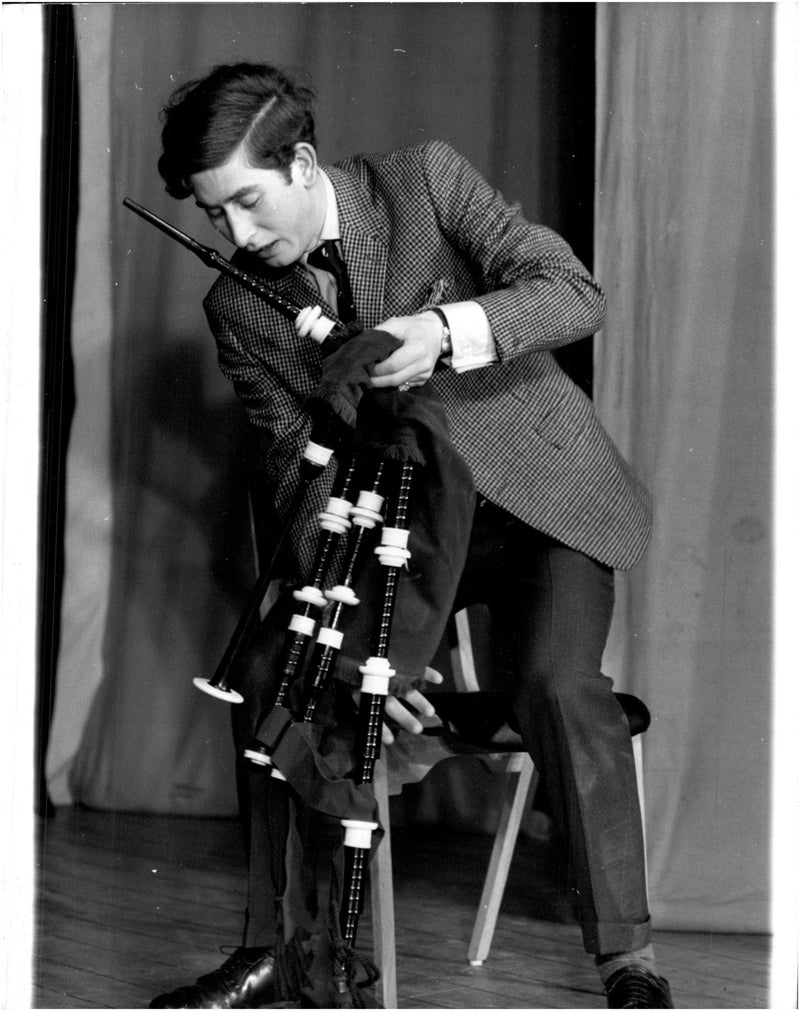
x,y
87,543
683,378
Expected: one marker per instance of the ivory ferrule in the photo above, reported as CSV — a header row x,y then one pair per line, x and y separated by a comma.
x,y
358,834
225,694
317,454
342,595
395,537
299,622
376,675
393,549
392,556
311,323
335,517
309,595
330,637
367,511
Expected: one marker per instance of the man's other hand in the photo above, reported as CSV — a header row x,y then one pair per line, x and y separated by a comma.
x,y
414,362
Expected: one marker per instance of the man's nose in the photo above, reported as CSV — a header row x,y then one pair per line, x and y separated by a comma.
x,y
242,229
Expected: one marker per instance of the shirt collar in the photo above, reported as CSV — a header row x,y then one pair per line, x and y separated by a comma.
x,y
330,226
330,223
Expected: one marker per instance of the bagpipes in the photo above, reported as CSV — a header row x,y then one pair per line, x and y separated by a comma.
x,y
371,626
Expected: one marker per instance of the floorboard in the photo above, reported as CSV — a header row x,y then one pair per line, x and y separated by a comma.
x,y
129,905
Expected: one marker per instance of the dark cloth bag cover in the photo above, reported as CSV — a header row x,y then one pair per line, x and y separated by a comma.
x,y
317,758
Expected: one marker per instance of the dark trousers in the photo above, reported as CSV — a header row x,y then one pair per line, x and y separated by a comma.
x,y
551,610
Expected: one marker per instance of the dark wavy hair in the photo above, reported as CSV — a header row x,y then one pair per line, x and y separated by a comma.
x,y
207,119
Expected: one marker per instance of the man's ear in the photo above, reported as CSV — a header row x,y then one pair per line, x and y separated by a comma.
x,y
305,165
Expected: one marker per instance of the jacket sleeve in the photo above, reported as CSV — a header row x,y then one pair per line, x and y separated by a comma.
x,y
535,292
281,424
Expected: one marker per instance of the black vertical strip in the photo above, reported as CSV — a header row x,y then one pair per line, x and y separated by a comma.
x,y
568,31
59,220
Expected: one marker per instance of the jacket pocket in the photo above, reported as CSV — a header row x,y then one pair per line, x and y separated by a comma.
x,y
566,421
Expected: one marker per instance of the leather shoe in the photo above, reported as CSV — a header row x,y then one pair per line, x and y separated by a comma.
x,y
634,986
245,980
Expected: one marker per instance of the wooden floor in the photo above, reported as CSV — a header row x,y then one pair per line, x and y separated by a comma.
x,y
131,905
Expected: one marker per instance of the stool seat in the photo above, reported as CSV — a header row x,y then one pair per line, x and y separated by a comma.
x,y
481,721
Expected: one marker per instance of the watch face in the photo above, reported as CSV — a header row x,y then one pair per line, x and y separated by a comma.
x,y
446,347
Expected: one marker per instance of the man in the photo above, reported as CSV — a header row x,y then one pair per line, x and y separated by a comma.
x,y
478,298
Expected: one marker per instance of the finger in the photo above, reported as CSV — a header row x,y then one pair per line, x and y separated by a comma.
x,y
398,361
387,737
420,703
433,676
398,712
394,379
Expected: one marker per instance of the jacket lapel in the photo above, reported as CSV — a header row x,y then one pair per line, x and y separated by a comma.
x,y
365,244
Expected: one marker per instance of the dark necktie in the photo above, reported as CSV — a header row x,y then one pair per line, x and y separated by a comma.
x,y
327,257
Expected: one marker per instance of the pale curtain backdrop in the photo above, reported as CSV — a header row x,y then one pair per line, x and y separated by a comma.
x,y
157,554
683,240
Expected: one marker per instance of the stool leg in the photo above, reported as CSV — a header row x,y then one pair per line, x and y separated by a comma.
x,y
638,762
514,802
382,897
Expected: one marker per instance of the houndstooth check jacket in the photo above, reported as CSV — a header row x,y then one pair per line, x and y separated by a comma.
x,y
421,226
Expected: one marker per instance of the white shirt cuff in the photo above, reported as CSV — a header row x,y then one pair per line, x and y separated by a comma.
x,y
473,343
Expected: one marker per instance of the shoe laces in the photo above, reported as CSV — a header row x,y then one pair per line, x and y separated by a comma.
x,y
636,988
231,969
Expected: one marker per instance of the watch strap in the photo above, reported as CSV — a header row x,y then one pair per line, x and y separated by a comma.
x,y
447,340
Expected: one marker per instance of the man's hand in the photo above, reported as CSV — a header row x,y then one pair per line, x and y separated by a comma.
x,y
414,362
396,711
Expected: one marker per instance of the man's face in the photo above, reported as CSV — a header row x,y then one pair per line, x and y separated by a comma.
x,y
261,211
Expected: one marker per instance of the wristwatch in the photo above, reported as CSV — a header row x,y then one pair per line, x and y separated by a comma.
x,y
447,341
